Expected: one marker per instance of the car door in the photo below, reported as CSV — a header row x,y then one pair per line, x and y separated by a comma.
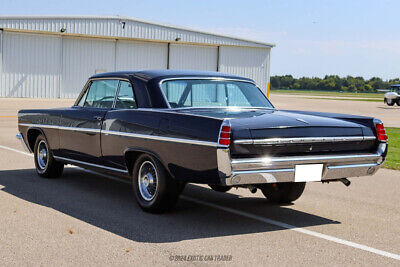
x,y
80,129
122,118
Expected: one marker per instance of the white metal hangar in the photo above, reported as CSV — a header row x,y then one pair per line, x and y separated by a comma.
x,y
53,56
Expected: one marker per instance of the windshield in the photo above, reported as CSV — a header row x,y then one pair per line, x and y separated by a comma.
x,y
395,89
213,93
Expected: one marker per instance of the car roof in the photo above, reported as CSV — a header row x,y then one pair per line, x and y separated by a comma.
x,y
164,74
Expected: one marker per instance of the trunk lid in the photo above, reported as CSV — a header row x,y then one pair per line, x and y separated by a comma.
x,y
259,124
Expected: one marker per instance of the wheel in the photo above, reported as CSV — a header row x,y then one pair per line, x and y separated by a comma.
x,y
46,165
390,102
283,192
154,188
398,101
220,188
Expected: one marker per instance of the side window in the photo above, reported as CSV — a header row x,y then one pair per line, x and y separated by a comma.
x,y
101,94
125,98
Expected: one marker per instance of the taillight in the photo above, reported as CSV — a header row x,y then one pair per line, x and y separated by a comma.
x,y
380,131
225,136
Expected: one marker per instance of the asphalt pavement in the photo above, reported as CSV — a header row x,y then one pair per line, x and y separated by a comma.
x,y
87,219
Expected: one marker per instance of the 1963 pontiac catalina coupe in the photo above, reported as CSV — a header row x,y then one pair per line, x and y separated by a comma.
x,y
163,129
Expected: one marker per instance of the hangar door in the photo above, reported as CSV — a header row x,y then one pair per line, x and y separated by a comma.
x,y
248,62
141,55
30,65
193,57
83,58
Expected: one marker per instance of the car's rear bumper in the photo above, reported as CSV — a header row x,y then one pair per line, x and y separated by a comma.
x,y
23,143
248,171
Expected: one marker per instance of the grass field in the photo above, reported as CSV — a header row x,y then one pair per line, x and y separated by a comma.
x,y
325,93
368,99
393,159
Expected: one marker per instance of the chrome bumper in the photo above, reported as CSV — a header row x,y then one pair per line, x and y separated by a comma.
x,y
282,169
23,143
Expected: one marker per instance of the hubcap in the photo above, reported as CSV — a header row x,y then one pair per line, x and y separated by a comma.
x,y
42,157
147,180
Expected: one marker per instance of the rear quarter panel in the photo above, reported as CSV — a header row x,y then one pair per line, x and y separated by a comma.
x,y
184,161
35,118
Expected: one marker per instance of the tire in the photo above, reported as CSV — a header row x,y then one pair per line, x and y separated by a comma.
x,y
398,101
220,188
154,188
283,192
390,102
46,165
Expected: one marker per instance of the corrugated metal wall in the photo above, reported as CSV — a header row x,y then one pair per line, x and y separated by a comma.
x,y
1,61
119,27
31,65
193,57
48,66
141,55
248,62
83,58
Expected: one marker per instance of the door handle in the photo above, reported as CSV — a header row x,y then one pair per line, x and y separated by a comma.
x,y
98,118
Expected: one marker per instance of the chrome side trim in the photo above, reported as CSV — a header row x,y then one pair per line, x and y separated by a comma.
x,y
90,164
161,138
134,135
76,129
39,125
303,140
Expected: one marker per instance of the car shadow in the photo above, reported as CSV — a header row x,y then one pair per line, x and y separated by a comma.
x,y
110,205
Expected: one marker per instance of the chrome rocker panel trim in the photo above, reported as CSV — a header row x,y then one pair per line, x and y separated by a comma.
x,y
235,172
126,134
72,161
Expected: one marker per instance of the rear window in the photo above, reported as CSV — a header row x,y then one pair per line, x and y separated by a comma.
x,y
213,93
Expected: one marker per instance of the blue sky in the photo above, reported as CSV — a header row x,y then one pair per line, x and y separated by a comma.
x,y
313,37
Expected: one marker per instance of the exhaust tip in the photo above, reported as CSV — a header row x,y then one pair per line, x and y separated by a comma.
x,y
345,181
253,189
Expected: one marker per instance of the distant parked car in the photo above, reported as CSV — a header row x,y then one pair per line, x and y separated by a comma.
x,y
393,97
163,129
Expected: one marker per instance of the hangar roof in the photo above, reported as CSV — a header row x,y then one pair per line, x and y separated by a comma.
x,y
121,27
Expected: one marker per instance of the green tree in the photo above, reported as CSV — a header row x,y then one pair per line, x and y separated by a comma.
x,y
332,83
